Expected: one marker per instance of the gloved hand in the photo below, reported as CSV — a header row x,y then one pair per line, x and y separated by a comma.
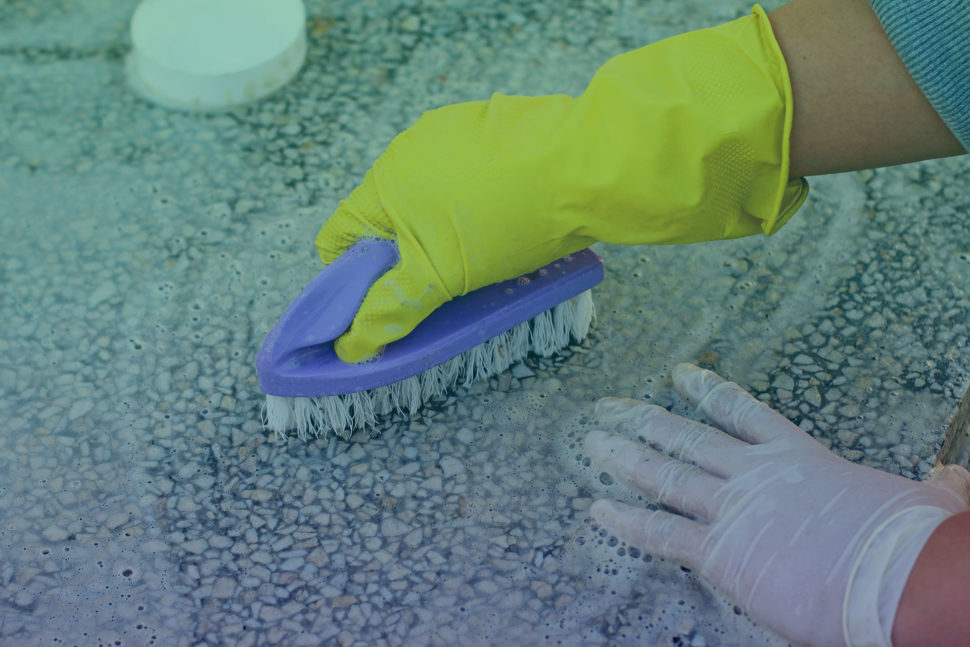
x,y
812,545
682,141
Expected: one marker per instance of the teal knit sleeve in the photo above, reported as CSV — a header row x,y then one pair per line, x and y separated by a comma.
x,y
933,39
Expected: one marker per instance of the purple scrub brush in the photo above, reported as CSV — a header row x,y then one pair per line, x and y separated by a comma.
x,y
310,390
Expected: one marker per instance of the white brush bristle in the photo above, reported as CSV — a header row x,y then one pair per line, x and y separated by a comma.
x,y
543,335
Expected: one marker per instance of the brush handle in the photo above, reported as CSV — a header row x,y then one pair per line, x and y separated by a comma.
x,y
327,305
298,361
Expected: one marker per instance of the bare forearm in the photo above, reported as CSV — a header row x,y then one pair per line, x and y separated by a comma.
x,y
933,607
855,104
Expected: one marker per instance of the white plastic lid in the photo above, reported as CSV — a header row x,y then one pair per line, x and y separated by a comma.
x,y
214,54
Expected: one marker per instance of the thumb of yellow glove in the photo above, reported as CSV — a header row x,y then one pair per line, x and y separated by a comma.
x,y
681,141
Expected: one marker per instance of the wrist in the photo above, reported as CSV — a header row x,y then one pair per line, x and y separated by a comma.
x,y
932,608
880,571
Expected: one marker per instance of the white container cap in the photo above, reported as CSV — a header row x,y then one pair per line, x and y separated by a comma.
x,y
215,54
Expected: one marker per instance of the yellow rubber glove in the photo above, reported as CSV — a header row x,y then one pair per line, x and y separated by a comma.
x,y
684,140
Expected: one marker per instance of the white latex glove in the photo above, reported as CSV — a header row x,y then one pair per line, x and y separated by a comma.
x,y
812,545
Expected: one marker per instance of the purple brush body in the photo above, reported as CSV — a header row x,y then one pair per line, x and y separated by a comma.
x,y
310,389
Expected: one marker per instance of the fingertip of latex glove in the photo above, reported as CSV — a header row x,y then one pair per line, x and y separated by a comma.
x,y
694,382
611,409
604,512
620,519
598,445
682,369
595,436
626,413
